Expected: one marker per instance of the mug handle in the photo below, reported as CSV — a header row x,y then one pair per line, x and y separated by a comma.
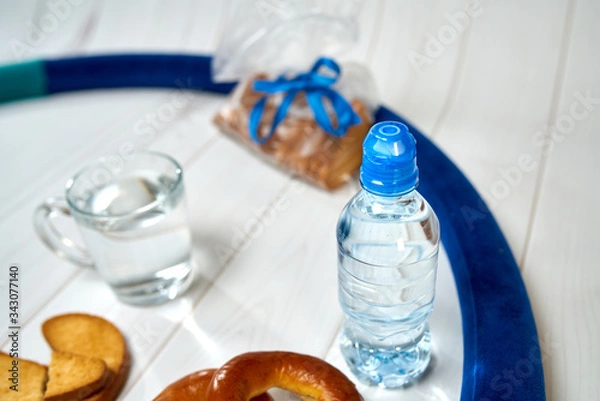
x,y
53,238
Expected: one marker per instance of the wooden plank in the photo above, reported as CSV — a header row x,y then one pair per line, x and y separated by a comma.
x,y
78,110
454,99
120,118
561,262
73,141
213,20
157,26
53,156
266,300
368,25
414,76
216,217
279,293
63,133
33,29
13,30
125,26
502,99
182,139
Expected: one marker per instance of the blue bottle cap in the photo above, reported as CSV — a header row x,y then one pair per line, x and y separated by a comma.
x,y
389,164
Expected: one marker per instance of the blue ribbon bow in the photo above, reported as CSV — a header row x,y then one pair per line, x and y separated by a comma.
x,y
316,86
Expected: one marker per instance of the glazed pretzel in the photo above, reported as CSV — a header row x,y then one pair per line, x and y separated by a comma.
x,y
193,388
253,373
249,376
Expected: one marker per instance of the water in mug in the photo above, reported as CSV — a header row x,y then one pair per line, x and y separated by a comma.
x,y
143,252
387,270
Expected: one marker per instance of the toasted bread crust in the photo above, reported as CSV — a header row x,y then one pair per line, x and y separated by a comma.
x,y
93,336
115,384
75,377
32,379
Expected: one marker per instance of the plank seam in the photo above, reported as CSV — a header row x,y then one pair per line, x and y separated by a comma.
x,y
457,74
132,382
59,289
333,340
552,116
222,23
189,23
88,28
55,172
192,159
376,31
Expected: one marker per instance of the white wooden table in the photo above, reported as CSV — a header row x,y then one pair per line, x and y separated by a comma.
x,y
500,93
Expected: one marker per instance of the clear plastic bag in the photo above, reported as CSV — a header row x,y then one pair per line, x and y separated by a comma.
x,y
270,46
279,36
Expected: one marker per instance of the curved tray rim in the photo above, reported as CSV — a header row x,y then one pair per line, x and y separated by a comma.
x,y
502,355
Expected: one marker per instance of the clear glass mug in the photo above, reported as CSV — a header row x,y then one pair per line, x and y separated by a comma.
x,y
132,215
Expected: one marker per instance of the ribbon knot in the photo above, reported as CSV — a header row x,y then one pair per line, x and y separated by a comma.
x,y
316,86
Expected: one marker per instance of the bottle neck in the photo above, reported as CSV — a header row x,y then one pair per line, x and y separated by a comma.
x,y
405,204
389,200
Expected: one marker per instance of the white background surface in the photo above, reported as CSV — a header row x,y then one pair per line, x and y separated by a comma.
x,y
487,97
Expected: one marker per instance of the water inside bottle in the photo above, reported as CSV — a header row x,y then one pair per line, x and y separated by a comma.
x,y
387,263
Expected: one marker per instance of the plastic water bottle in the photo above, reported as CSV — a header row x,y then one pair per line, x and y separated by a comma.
x,y
388,241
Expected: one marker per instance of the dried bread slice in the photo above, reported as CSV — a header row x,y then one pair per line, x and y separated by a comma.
x,y
75,377
28,377
91,336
